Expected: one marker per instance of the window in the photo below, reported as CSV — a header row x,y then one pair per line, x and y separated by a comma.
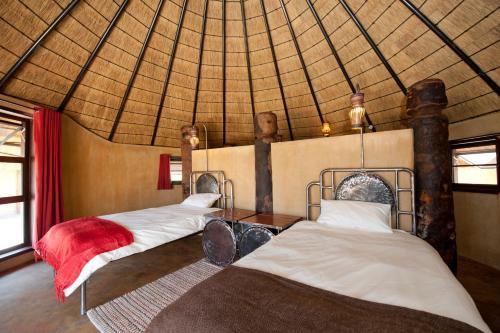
x,y
475,164
14,183
176,170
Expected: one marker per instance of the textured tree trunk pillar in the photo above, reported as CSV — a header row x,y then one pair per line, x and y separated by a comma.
x,y
434,196
186,154
266,128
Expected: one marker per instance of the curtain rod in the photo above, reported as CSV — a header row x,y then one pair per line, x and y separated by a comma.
x,y
16,114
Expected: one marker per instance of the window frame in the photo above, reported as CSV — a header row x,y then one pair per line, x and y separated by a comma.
x,y
485,140
26,195
176,159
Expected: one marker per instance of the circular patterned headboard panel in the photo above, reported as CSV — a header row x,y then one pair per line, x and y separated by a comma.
x,y
365,187
207,183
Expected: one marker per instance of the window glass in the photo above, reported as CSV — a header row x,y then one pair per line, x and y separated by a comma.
x,y
14,164
11,179
175,171
11,138
11,225
475,165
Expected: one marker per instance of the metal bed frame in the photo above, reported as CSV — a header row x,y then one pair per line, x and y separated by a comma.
x,y
395,172
223,186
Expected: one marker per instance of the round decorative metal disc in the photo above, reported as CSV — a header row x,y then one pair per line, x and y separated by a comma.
x,y
253,238
365,187
219,243
207,183
239,228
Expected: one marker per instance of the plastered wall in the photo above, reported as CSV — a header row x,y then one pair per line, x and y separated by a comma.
x,y
477,215
238,164
100,177
296,163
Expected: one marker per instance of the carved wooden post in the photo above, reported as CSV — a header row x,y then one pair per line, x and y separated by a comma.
x,y
266,127
186,154
434,196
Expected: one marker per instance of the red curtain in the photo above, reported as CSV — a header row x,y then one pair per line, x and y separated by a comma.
x,y
48,193
164,181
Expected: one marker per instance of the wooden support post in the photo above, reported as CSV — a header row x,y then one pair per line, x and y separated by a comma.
x,y
434,197
186,154
266,128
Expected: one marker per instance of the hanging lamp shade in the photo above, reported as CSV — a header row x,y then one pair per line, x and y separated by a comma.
x,y
358,110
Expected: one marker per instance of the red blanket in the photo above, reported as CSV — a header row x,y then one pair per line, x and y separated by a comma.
x,y
70,245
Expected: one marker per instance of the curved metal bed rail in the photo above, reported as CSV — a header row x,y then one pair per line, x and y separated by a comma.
x,y
225,187
231,195
330,173
309,204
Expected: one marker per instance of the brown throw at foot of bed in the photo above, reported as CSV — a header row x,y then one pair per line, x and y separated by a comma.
x,y
244,300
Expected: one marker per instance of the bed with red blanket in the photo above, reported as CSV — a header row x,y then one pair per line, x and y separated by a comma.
x,y
69,246
78,248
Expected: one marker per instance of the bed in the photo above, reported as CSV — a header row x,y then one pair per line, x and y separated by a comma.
x,y
153,227
316,277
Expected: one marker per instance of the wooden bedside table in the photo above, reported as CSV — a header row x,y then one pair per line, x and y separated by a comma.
x,y
231,214
275,222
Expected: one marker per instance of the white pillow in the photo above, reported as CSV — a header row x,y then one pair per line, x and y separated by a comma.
x,y
357,215
203,200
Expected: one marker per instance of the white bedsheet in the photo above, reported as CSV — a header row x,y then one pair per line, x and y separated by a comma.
x,y
398,269
151,227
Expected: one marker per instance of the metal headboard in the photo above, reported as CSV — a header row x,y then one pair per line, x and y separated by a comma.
x,y
222,186
395,172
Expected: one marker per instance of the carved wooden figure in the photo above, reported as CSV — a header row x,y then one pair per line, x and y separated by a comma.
x,y
266,128
434,197
186,154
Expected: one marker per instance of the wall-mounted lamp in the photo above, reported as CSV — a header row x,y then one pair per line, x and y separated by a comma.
x,y
194,140
190,134
356,116
325,129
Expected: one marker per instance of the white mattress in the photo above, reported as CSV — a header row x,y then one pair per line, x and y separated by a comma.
x,y
151,227
398,269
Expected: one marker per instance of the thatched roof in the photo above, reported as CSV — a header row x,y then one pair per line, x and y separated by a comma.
x,y
383,46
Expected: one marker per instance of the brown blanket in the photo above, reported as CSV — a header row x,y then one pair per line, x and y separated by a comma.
x,y
244,300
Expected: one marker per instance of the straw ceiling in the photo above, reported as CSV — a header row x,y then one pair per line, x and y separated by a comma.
x,y
122,69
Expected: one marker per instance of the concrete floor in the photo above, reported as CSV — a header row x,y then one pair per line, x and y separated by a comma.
x,y
28,303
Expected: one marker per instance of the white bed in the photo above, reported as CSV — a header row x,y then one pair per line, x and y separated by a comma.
x,y
398,269
150,227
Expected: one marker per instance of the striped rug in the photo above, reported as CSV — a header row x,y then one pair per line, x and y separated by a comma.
x,y
132,312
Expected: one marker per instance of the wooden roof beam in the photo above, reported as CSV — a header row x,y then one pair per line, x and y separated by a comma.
x,y
377,52
37,43
374,46
301,58
249,71
134,72
337,58
200,59
169,71
458,51
330,44
91,58
276,68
